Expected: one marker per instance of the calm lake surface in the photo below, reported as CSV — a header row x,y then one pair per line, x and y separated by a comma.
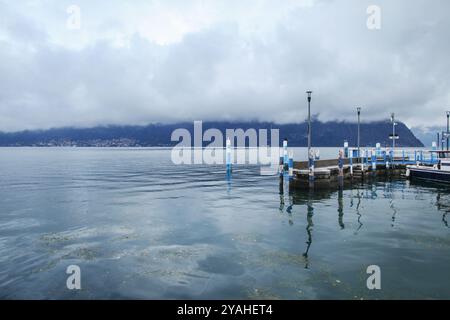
x,y
140,227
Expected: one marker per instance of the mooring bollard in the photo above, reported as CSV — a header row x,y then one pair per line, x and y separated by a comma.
x,y
366,158
351,165
291,166
341,163
346,148
285,154
374,160
228,156
386,160
361,157
311,166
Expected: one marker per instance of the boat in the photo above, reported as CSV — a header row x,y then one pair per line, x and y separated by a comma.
x,y
437,170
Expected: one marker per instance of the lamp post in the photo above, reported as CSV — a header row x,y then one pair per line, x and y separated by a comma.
x,y
358,110
393,130
309,122
448,128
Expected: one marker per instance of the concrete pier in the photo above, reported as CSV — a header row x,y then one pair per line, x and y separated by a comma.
x,y
331,173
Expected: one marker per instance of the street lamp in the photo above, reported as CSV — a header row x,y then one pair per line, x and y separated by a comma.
x,y
448,116
358,110
309,122
393,130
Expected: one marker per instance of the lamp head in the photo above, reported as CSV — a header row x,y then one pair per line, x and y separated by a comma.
x,y
309,95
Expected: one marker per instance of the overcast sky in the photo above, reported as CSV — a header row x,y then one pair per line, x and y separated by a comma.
x,y
138,62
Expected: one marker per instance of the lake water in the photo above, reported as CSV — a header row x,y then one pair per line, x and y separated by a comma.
x,y
140,227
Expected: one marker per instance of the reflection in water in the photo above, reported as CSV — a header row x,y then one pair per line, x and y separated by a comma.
x,y
284,180
442,205
341,208
228,178
281,193
309,227
442,195
358,213
201,234
394,210
357,195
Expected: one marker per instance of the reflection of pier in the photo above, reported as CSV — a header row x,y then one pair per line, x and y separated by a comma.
x,y
307,200
350,201
442,196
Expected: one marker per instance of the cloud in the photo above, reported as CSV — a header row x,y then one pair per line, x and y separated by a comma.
x,y
169,61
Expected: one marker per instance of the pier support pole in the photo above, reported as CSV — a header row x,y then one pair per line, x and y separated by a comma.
x,y
311,168
391,156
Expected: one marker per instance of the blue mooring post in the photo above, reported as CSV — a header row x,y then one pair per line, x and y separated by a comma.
x,y
341,168
228,156
281,169
378,147
374,160
346,148
285,155
362,160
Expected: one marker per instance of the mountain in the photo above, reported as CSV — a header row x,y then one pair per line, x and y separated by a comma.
x,y
324,134
428,135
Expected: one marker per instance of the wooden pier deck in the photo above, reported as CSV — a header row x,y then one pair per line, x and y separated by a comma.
x,y
327,172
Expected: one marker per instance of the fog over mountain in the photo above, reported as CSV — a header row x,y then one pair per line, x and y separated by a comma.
x,y
329,134
140,62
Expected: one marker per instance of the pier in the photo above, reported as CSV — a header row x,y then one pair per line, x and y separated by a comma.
x,y
348,167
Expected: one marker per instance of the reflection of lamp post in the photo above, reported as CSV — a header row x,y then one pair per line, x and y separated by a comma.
x,y
309,122
448,116
358,109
